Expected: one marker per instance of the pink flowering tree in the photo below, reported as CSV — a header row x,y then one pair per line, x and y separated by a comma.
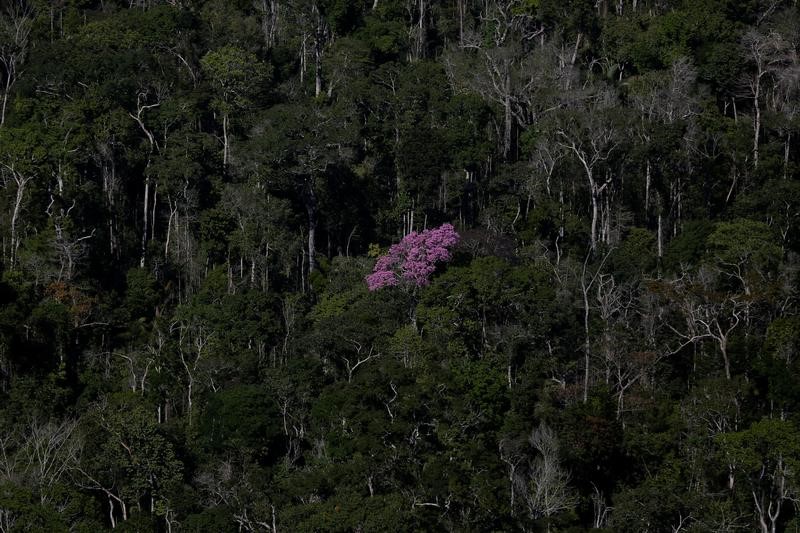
x,y
413,260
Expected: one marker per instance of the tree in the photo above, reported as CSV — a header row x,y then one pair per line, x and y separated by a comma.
x,y
744,251
768,53
238,76
547,492
414,258
296,148
15,28
135,467
24,159
708,313
768,454
592,139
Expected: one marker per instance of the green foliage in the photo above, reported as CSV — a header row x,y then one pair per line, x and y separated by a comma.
x,y
237,74
689,247
618,239
244,419
744,242
635,256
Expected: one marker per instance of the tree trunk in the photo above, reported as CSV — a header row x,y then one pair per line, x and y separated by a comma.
x,y
5,102
319,36
21,182
595,214
586,342
153,213
173,211
225,141
507,121
461,5
757,119
146,216
269,21
647,191
786,148
723,348
660,243
311,210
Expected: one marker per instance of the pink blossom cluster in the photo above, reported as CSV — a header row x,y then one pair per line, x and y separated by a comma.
x,y
414,258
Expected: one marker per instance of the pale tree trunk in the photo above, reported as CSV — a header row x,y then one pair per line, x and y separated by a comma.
x,y
595,213
21,183
225,145
757,119
723,348
508,122
421,30
599,150
660,240
786,147
173,213
416,31
17,18
6,91
462,8
153,212
586,343
269,21
647,190
586,286
311,210
141,107
109,170
146,215
319,37
303,54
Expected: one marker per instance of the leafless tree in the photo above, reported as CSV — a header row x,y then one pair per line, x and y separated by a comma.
x,y
143,96
769,53
12,175
546,489
362,355
588,281
16,20
708,314
269,11
40,454
194,343
70,248
229,485
591,143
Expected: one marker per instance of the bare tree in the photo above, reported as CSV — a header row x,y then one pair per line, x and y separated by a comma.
x,y
13,176
41,455
142,97
228,484
546,490
269,11
768,54
70,248
362,355
500,64
592,143
15,26
586,286
708,314
512,453
785,93
194,343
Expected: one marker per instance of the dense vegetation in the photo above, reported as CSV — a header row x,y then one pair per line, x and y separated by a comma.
x,y
192,193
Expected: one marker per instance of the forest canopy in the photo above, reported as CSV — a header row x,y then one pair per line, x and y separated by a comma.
x,y
384,265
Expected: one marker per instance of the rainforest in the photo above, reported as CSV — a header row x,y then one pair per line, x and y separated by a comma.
x,y
399,265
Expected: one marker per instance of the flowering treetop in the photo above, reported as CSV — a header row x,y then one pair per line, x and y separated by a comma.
x,y
414,258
